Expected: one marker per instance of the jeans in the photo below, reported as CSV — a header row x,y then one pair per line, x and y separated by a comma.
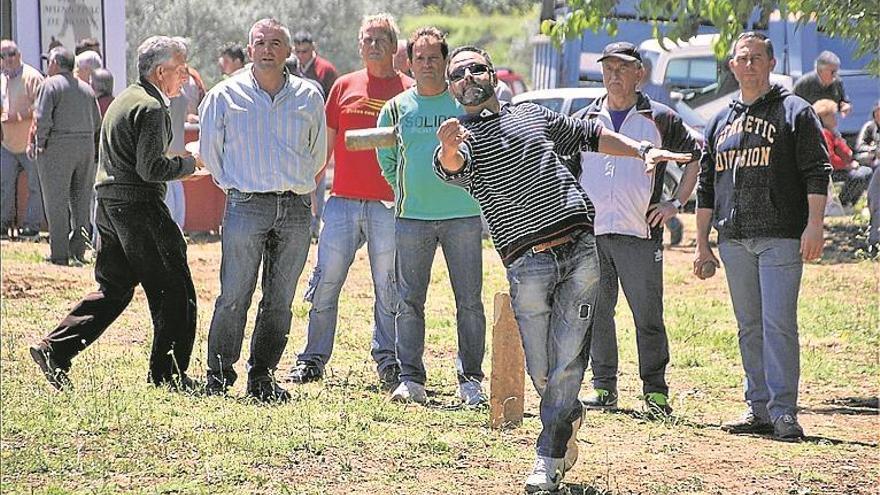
x,y
855,181
140,244
272,228
874,209
10,166
554,299
348,225
417,242
764,277
320,199
638,265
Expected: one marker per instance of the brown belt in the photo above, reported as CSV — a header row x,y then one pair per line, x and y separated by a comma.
x,y
540,248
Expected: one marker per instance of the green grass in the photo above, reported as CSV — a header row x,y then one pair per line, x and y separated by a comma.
x,y
116,434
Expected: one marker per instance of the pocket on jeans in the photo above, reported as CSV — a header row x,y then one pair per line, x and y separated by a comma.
x,y
306,200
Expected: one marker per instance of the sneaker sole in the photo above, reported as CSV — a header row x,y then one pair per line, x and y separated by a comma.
x,y
596,407
39,357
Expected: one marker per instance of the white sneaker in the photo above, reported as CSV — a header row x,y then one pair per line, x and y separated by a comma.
x,y
546,475
471,393
571,452
410,392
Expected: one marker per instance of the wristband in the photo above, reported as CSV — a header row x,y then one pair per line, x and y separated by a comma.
x,y
676,203
644,148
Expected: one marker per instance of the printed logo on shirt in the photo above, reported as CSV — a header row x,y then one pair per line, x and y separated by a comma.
x,y
756,156
365,106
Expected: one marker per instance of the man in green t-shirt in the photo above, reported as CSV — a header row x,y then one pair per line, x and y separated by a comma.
x,y
430,212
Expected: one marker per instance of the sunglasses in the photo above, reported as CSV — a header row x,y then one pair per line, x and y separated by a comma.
x,y
4,55
474,69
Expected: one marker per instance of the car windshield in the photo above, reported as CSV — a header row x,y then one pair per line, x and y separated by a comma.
x,y
579,103
554,104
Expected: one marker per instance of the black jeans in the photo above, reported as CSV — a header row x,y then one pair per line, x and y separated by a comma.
x,y
140,244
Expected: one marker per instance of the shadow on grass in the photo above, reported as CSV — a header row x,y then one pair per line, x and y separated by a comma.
x,y
869,406
672,420
845,243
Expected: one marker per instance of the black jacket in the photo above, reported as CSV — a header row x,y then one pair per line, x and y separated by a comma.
x,y
760,163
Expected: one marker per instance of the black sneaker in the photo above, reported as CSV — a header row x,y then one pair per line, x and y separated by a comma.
x,y
786,427
265,389
601,398
305,372
657,405
29,235
748,423
217,385
181,383
389,377
54,373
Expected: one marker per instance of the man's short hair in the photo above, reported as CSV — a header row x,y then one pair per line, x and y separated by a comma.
x,y
155,51
382,21
272,23
825,107
234,51
753,35
183,41
88,59
63,57
87,44
470,48
303,37
8,47
427,32
827,58
102,82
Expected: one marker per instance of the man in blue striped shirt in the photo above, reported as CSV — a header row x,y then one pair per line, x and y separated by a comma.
x,y
263,138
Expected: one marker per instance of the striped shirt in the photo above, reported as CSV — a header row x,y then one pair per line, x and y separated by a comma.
x,y
515,166
252,142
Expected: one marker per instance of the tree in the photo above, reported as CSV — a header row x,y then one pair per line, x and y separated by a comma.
x,y
210,25
858,20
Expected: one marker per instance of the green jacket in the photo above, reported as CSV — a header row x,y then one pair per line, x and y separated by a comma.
x,y
135,135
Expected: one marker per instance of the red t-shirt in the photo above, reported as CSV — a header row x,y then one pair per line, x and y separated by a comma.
x,y
839,153
354,103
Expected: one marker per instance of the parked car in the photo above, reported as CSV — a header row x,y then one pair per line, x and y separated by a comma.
x,y
513,79
563,100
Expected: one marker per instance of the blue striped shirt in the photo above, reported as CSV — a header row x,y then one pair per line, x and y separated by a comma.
x,y
254,143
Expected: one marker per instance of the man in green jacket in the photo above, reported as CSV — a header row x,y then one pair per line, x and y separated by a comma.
x,y
430,212
139,242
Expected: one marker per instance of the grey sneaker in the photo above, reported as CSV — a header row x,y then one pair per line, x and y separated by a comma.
x,y
471,393
748,423
601,398
409,391
786,427
546,475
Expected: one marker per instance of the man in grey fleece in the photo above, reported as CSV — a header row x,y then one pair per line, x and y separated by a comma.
x,y
67,123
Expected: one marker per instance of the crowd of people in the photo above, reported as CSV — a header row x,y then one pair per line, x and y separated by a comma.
x,y
590,222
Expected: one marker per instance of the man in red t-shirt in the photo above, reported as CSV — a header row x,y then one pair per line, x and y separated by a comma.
x,y
359,210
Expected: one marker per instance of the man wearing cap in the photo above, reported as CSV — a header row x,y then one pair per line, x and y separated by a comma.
x,y
629,225
19,85
544,234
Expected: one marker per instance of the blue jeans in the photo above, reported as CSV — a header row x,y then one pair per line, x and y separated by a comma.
x,y
855,182
417,242
348,225
257,227
764,277
554,300
10,166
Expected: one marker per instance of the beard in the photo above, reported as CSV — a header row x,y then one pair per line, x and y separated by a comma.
x,y
475,94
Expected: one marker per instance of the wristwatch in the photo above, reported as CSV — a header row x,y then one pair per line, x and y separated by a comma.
x,y
644,148
676,203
